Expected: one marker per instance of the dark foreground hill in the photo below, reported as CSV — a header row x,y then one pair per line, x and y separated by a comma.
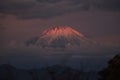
x,y
56,72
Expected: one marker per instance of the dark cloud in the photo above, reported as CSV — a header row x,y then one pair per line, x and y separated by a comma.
x,y
112,4
108,4
40,9
57,1
50,8
49,1
14,7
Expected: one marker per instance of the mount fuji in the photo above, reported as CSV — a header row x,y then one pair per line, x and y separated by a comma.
x,y
60,37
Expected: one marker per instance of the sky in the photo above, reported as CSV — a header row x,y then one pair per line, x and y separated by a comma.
x,y
21,20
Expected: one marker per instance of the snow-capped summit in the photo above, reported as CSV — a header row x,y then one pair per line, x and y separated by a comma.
x,y
60,36
64,31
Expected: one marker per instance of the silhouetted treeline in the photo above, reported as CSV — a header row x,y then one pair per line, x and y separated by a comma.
x,y
112,72
56,72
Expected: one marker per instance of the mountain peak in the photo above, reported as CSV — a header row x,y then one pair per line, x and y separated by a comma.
x,y
64,31
59,36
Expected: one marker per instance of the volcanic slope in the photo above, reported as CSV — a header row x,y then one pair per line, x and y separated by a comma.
x,y
60,36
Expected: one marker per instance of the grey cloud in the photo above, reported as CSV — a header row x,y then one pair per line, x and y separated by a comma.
x,y
107,4
50,8
49,1
99,4
111,4
57,1
41,9
54,2
14,7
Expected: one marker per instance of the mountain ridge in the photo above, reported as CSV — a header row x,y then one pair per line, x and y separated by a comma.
x,y
55,72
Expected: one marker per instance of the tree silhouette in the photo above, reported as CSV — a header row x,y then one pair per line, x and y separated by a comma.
x,y
112,72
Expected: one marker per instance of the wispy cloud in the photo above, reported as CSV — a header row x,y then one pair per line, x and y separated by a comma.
x,y
45,9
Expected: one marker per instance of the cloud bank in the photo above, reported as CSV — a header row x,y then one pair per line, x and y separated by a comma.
x,y
45,9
